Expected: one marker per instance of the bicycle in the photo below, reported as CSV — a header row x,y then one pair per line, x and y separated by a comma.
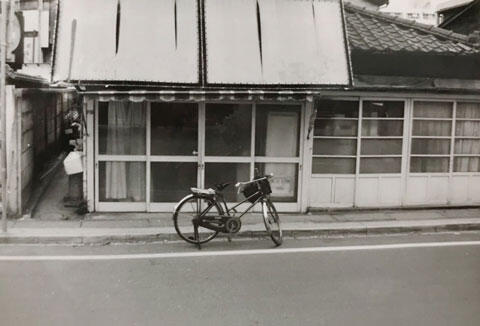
x,y
203,214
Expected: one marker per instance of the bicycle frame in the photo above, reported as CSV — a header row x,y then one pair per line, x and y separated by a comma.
x,y
226,213
228,210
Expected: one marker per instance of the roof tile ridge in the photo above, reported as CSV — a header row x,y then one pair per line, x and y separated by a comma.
x,y
411,23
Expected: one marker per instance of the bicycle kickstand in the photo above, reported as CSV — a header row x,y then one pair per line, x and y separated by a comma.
x,y
196,236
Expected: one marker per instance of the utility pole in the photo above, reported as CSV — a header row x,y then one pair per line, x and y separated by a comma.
x,y
5,6
38,50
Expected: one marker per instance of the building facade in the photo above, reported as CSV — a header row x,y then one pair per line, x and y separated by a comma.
x,y
340,119
423,12
460,16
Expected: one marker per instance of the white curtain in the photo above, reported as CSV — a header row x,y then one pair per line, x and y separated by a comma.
x,y
125,181
282,141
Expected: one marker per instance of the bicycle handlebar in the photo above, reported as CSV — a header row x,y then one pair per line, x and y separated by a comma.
x,y
268,176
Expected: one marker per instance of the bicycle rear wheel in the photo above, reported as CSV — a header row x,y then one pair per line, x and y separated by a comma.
x,y
188,210
272,222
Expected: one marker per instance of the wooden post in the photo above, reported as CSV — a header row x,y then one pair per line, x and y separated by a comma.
x,y
3,111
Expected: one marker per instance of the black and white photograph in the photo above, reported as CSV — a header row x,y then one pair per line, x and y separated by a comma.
x,y
240,162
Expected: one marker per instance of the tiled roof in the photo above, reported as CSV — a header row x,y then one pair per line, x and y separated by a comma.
x,y
379,32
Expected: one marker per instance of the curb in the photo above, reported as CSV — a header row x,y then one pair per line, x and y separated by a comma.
x,y
105,236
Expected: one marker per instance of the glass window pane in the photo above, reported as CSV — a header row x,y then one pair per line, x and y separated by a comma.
x,y
334,146
467,146
429,164
432,128
122,181
430,146
381,146
122,128
467,128
284,182
333,165
382,128
338,109
174,128
466,164
228,129
380,165
171,181
277,130
468,110
340,128
383,109
433,109
227,172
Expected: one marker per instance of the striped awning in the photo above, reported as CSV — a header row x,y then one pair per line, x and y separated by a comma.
x,y
201,96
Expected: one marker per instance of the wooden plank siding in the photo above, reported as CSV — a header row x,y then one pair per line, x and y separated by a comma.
x,y
37,136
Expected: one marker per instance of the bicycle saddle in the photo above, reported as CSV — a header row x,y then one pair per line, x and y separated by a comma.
x,y
206,192
221,186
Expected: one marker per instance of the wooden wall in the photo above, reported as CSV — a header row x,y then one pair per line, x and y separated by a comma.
x,y
36,137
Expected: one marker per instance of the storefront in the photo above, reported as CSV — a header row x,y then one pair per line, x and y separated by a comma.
x,y
190,93
148,154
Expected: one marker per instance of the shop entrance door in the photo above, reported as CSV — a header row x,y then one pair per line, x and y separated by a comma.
x,y
242,140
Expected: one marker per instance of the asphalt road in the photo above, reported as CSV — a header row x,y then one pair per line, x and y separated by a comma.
x,y
336,281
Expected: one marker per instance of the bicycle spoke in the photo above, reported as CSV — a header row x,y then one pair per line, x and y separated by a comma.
x,y
189,213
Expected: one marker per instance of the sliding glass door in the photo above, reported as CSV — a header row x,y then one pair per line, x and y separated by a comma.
x,y
242,140
149,154
174,147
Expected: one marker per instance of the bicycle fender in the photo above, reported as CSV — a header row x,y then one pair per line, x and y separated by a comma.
x,y
181,201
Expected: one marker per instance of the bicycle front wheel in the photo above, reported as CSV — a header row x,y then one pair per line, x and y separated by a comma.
x,y
272,222
186,214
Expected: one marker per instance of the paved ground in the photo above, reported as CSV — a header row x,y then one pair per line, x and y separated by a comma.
x,y
396,280
51,205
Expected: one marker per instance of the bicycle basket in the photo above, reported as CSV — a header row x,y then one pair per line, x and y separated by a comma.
x,y
256,190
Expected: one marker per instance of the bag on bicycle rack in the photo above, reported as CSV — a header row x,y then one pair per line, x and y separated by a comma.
x,y
256,190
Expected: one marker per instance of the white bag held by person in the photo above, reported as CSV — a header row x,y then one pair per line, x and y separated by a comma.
x,y
73,163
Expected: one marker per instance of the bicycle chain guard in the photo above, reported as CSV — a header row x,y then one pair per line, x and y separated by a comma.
x,y
233,225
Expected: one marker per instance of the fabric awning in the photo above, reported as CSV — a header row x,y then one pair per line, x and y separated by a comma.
x,y
200,96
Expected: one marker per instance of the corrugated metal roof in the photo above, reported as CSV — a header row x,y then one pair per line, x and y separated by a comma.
x,y
142,40
271,42
380,32
245,42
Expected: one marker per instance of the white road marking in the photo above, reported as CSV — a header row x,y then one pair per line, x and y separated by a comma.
x,y
240,252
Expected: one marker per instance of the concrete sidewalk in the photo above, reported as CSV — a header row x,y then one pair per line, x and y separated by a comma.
x,y
52,222
147,227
